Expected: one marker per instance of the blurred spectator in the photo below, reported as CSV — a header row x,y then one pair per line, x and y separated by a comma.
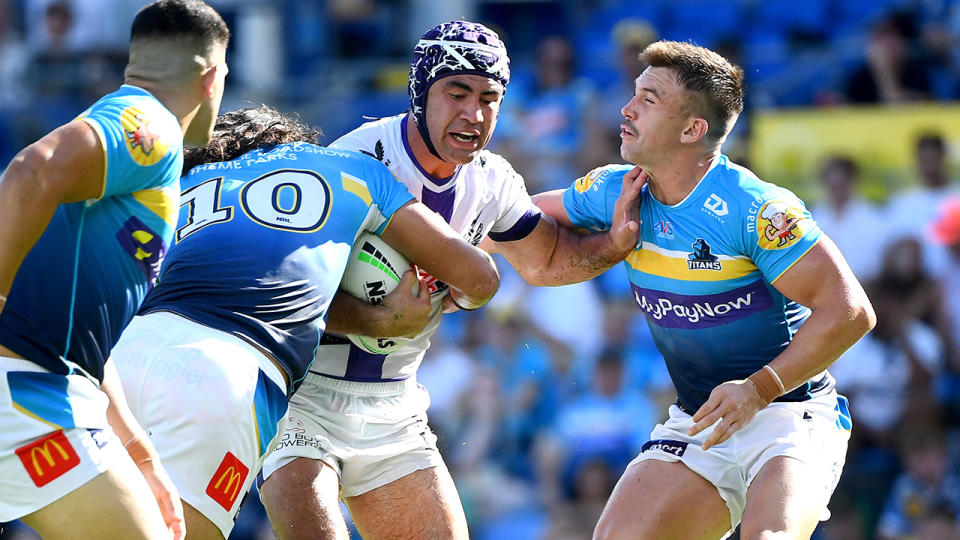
x,y
845,216
13,57
541,128
608,424
891,73
602,121
913,210
888,373
925,499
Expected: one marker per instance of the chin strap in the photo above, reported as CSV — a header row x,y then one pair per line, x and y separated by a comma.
x,y
425,135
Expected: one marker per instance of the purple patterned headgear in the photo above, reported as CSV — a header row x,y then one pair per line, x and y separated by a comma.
x,y
453,48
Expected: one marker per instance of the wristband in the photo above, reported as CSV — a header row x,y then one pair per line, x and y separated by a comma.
x,y
138,450
461,308
766,384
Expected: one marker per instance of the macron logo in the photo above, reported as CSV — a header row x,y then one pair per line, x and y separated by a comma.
x,y
716,205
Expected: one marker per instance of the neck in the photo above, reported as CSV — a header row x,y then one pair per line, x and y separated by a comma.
x,y
183,107
672,181
435,166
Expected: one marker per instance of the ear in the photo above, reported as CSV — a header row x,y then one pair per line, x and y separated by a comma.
x,y
208,79
695,130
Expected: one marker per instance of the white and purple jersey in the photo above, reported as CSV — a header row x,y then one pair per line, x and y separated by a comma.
x,y
483,198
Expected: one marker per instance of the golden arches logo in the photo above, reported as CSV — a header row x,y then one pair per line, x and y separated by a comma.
x,y
48,458
45,452
145,144
234,479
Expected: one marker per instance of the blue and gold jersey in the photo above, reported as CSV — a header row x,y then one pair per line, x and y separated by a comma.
x,y
263,240
85,278
703,272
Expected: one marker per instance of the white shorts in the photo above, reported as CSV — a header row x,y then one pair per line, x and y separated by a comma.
x,y
815,431
371,434
54,436
210,402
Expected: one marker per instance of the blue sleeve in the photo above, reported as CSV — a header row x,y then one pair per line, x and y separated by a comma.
x,y
779,232
142,144
388,193
589,201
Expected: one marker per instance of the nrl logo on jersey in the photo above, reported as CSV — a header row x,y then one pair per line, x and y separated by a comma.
x,y
475,233
378,153
701,258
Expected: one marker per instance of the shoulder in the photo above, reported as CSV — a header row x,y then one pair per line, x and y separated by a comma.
x,y
736,188
601,178
369,133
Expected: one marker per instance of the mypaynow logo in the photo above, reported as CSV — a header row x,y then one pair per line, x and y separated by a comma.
x,y
671,310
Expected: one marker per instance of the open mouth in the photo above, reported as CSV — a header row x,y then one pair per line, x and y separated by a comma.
x,y
465,137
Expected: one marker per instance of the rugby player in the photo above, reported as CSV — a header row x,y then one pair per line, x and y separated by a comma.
x,y
86,214
747,300
266,225
357,428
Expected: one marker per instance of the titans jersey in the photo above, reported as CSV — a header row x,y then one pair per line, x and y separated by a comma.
x,y
85,278
704,269
485,197
263,241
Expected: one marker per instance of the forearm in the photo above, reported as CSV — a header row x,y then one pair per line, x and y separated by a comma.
x,y
826,334
350,315
578,257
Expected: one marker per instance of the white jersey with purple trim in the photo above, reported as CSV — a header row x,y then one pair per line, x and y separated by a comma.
x,y
483,198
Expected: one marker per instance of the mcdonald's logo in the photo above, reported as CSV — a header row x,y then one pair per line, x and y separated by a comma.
x,y
48,458
227,483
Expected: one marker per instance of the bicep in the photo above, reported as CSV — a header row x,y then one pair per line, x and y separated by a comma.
x,y
68,163
820,276
551,203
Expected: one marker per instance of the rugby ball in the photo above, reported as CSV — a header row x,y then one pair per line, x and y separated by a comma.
x,y
373,271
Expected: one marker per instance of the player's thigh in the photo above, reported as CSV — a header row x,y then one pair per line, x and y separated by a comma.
x,y
785,500
117,504
199,526
302,501
423,504
663,500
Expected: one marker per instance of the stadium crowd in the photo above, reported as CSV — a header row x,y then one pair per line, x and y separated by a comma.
x,y
541,399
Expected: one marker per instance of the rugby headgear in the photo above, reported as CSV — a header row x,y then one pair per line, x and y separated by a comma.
x,y
453,48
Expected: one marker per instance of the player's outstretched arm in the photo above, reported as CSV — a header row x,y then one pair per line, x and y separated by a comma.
x,y
424,238
404,312
142,452
840,315
64,166
554,254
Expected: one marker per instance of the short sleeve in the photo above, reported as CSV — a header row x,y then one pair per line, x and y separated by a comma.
x,y
142,144
590,199
779,231
386,192
518,215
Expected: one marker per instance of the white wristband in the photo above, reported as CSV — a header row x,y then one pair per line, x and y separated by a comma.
x,y
776,377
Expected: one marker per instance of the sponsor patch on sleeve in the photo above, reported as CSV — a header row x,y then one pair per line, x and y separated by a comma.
x,y
584,182
143,140
781,224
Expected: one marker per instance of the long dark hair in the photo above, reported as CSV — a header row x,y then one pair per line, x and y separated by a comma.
x,y
238,132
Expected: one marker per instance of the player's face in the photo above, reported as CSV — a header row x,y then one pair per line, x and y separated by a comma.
x,y
462,114
654,117
201,127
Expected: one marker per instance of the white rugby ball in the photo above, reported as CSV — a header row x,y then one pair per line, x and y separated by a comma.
x,y
373,271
